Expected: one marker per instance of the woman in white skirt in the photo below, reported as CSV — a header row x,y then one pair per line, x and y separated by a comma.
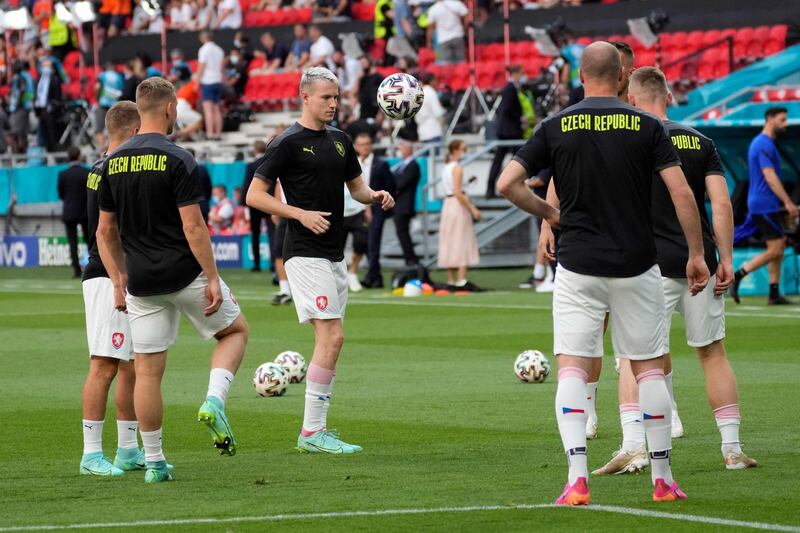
x,y
458,245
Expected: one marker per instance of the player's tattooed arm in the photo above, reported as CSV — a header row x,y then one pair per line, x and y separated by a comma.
x,y
258,197
109,245
512,185
361,192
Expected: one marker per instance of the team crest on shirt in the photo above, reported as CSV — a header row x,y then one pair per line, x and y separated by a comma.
x,y
117,339
322,303
339,147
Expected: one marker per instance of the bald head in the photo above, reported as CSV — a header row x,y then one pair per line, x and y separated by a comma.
x,y
601,66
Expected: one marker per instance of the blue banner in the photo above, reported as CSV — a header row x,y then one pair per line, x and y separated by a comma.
x,y
19,252
247,252
227,250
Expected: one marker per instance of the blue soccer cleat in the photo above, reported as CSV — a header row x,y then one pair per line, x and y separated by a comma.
x,y
129,459
325,442
157,472
212,414
96,464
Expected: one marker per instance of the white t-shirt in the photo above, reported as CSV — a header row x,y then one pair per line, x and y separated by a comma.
x,y
182,15
446,14
429,117
212,56
234,18
351,206
321,48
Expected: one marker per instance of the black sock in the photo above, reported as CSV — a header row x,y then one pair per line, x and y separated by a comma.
x,y
740,274
773,291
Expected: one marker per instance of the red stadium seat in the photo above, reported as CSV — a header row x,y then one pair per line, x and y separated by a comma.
x,y
761,34
759,96
779,32
711,37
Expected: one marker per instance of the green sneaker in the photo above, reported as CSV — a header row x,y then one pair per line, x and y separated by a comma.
x,y
129,459
212,414
96,464
157,472
325,442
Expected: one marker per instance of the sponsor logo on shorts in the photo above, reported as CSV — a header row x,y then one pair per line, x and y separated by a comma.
x,y
232,297
118,339
322,303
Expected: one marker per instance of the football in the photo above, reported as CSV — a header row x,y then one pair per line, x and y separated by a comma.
x,y
270,379
294,364
400,96
531,366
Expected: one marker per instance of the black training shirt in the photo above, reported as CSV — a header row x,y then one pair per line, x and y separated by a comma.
x,y
699,159
94,268
312,166
603,153
144,182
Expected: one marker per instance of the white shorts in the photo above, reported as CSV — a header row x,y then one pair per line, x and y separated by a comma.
x,y
319,288
636,306
107,330
155,319
185,114
704,314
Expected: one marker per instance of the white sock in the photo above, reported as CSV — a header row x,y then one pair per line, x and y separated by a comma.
x,y
591,400
461,283
219,383
538,271
728,421
668,382
284,287
630,418
126,434
657,419
318,401
151,440
571,416
92,436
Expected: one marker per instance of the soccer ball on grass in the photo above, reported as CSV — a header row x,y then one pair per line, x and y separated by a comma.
x,y
532,366
270,379
294,364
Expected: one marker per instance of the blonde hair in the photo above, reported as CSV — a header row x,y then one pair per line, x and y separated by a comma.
x,y
122,116
313,74
649,82
152,93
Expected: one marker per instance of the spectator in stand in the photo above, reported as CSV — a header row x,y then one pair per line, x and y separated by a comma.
x,y
150,71
114,15
108,90
256,216
206,15
134,75
72,191
181,15
430,123
265,5
242,42
407,177
210,66
42,54
180,73
235,75
448,19
300,49
48,106
403,20
20,105
509,124
4,56
220,216
229,15
205,184
571,52
347,70
188,120
147,18
42,11
368,91
241,215
321,47
332,10
458,244
384,29
274,54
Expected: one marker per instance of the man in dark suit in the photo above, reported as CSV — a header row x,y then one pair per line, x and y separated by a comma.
x,y
205,185
407,177
256,216
509,125
72,191
376,173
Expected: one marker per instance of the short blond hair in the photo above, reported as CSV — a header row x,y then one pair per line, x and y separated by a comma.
x,y
649,83
153,92
122,116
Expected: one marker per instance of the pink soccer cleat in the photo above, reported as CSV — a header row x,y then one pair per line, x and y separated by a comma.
x,y
575,494
667,493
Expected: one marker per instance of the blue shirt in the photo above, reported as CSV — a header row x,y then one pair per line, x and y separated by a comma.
x,y
762,154
572,54
299,47
111,83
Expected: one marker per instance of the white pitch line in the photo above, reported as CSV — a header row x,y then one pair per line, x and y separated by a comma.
x,y
400,512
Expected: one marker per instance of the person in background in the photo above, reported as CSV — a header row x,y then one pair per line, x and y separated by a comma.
x,y
299,51
509,124
146,19
206,15
430,118
220,216
48,105
108,89
205,185
571,52
458,244
407,177
72,191
321,47
229,15
242,43
332,10
368,91
348,70
241,215
181,15
189,121
274,54
448,18
210,74
281,225
20,105
256,216
235,75
134,75
384,27
180,72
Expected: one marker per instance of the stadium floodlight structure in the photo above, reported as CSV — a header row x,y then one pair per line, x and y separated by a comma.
x,y
646,30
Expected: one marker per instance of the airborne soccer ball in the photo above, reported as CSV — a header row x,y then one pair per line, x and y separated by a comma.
x,y
270,380
532,366
294,364
400,96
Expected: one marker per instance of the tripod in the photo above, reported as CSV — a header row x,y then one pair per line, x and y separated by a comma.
x,y
79,126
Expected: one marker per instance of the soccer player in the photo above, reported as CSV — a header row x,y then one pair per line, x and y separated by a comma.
x,y
149,207
313,161
108,332
603,153
705,313
766,198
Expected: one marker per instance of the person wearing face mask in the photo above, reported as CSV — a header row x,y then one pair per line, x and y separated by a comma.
x,y
510,124
235,75
220,216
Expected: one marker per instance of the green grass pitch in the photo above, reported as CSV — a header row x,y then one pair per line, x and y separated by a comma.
x,y
425,385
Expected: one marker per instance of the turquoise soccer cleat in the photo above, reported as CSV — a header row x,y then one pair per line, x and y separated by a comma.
x,y
157,472
96,464
212,414
325,442
129,459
